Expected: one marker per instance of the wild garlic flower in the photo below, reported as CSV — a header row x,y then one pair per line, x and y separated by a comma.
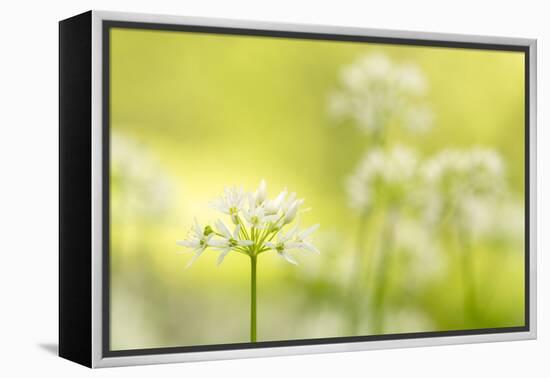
x,y
199,240
260,225
231,203
228,240
459,181
374,92
255,214
302,237
293,240
282,246
383,175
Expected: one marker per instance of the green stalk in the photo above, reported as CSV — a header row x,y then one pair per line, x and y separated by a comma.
x,y
354,289
253,299
381,287
468,279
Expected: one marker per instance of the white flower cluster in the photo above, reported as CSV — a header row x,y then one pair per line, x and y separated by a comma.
x,y
374,92
387,173
460,182
258,226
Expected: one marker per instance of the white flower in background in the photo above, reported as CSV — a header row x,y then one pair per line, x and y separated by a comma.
x,y
228,240
231,203
374,92
458,182
382,173
499,218
266,219
141,187
199,240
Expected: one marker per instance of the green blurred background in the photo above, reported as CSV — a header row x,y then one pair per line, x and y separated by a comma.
x,y
192,113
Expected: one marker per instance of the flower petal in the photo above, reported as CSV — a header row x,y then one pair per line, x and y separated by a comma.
x,y
308,231
288,258
293,245
197,255
310,247
189,243
198,229
220,205
236,232
218,243
222,255
289,234
222,228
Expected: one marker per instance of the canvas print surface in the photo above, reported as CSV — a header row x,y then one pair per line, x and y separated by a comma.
x,y
272,189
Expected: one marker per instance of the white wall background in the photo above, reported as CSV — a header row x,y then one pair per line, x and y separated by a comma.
x,y
28,171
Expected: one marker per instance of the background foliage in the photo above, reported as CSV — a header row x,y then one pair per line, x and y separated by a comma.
x,y
192,113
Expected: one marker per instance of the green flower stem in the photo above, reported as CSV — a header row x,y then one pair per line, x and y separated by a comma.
x,y
243,228
381,287
253,299
355,277
468,277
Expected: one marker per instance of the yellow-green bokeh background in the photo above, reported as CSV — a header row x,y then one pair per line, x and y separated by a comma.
x,y
206,111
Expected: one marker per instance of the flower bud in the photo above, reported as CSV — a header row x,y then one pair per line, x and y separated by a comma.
x,y
261,193
292,211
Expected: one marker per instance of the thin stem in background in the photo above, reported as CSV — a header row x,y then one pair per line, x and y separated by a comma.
x,y
467,271
357,262
379,291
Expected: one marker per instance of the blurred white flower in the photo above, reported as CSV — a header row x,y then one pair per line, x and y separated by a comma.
x,y
495,218
374,92
140,184
458,182
382,173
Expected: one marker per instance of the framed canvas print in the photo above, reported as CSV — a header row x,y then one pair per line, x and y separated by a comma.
x,y
238,189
